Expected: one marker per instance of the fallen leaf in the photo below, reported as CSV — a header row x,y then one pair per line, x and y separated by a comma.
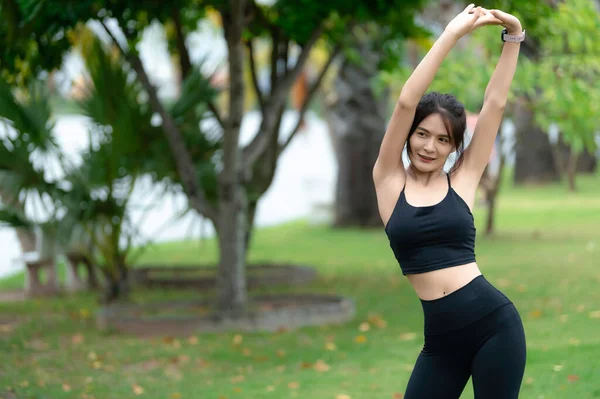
x,y
176,395
343,396
580,308
138,390
377,320
246,351
572,378
503,283
595,314
557,367
321,366
193,340
397,396
409,336
237,389
66,387
237,379
360,339
563,318
280,352
529,381
306,365
237,339
330,346
535,314
77,339
293,385
574,341
364,327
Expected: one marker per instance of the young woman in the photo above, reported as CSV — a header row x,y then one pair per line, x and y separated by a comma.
x,y
471,328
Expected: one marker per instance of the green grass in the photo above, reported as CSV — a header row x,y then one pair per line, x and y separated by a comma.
x,y
545,257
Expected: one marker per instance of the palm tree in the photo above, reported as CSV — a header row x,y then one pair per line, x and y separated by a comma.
x,y
25,134
90,218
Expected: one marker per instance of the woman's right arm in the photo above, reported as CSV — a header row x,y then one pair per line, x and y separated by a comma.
x,y
389,160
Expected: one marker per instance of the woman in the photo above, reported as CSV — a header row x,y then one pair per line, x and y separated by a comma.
x,y
471,328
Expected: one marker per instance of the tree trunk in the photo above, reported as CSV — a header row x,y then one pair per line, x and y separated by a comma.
x,y
357,123
586,162
572,170
116,287
534,160
79,259
252,204
74,282
233,206
491,213
92,277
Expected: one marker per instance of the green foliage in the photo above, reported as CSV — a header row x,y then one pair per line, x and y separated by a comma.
x,y
532,14
25,128
560,82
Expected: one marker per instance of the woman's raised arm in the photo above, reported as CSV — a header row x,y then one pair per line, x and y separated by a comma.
x,y
478,152
389,161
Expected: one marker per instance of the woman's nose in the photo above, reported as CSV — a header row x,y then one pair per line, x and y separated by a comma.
x,y
429,146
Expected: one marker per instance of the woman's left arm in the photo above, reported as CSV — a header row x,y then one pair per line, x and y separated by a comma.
x,y
477,154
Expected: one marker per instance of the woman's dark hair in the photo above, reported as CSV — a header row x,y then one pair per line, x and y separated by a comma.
x,y
453,114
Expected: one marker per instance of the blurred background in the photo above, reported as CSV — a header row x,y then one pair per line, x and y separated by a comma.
x,y
187,206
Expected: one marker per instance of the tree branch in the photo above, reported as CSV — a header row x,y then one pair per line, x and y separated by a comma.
x,y
253,71
278,96
183,160
314,88
184,56
185,63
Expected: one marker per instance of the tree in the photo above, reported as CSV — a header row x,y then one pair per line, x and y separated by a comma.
x,y
568,65
533,150
357,113
243,174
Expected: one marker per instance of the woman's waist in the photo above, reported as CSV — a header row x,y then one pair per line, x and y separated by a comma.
x,y
469,303
437,284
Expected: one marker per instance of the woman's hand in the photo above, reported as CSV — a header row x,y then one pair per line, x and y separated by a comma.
x,y
464,22
510,22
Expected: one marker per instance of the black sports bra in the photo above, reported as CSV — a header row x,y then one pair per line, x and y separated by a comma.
x,y
432,237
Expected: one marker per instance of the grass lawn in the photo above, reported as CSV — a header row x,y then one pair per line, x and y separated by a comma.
x,y
545,257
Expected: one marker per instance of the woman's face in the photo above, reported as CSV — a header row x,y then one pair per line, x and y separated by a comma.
x,y
430,144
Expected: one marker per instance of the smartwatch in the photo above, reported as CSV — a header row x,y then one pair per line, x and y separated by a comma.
x,y
512,38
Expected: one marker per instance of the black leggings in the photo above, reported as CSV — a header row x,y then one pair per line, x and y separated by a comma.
x,y
474,331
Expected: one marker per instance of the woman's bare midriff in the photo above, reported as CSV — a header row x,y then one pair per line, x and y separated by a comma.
x,y
439,283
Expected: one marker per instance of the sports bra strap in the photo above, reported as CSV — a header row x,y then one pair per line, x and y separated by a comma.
x,y
448,175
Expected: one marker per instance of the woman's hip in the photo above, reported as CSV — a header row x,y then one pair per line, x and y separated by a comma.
x,y
467,305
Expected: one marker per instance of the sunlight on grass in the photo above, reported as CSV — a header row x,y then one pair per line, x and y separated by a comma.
x,y
545,257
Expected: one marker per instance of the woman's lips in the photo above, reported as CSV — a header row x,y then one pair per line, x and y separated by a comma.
x,y
425,159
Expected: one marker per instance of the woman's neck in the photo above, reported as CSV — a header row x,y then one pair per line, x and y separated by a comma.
x,y
425,178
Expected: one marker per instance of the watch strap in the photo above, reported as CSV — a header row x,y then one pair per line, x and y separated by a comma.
x,y
512,38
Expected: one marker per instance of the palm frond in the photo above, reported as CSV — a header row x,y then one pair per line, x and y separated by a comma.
x,y
13,217
29,114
